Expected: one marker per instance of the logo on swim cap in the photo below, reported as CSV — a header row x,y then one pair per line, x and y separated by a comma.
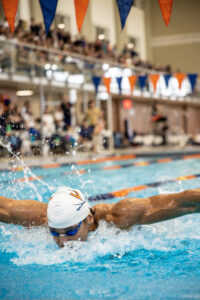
x,y
67,207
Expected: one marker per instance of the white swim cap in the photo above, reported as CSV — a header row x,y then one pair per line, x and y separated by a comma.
x,y
66,208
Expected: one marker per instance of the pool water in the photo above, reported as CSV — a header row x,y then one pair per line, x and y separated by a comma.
x,y
158,261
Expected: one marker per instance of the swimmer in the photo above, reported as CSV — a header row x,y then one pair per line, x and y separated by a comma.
x,y
69,216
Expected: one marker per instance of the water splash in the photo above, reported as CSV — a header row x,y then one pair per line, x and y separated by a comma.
x,y
27,172
36,245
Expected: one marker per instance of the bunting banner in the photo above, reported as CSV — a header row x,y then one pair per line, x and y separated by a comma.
x,y
166,9
124,7
80,9
154,79
142,81
10,10
119,82
107,81
48,11
192,78
167,78
180,77
96,80
132,80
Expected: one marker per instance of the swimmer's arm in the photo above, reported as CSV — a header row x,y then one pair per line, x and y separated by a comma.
x,y
133,211
23,212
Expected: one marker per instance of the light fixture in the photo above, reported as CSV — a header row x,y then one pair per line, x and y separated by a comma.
x,y
54,67
61,26
105,67
47,66
130,45
101,36
24,93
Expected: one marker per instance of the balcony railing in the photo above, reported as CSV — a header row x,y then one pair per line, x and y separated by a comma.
x,y
62,67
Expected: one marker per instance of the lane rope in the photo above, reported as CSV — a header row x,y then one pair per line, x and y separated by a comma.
x,y
83,171
126,191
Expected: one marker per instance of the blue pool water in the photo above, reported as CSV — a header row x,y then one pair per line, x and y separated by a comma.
x,y
158,261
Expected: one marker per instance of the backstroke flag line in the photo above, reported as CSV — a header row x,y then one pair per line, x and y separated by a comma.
x,y
166,9
80,9
10,10
48,11
124,7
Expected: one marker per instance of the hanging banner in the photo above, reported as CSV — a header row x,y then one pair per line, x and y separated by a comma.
x,y
48,11
132,80
154,79
119,82
180,77
192,78
166,9
107,81
167,78
10,10
142,81
96,80
80,9
124,7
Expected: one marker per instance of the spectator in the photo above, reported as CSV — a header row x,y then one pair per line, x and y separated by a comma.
x,y
59,119
66,108
48,125
92,115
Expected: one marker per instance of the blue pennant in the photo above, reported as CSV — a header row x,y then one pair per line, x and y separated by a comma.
x,y
124,7
142,81
167,78
96,80
119,82
48,10
192,78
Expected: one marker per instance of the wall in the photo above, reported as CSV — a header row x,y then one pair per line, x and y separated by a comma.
x,y
102,14
181,118
135,27
179,43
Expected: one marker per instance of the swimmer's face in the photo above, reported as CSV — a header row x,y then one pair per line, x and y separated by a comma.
x,y
81,235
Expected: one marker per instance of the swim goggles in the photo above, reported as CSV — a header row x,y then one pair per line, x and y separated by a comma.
x,y
70,232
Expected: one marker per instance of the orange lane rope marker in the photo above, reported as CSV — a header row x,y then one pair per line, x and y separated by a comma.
x,y
103,159
28,178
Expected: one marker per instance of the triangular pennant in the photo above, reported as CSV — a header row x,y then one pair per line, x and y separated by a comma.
x,y
167,78
48,11
119,82
107,81
124,7
154,79
142,81
10,10
166,9
192,78
132,80
80,9
180,77
96,80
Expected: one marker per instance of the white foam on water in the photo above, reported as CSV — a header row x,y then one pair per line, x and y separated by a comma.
x,y
36,245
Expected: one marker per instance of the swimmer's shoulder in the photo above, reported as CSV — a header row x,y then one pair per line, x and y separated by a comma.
x,y
101,211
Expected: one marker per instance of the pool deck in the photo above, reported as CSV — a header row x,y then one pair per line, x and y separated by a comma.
x,y
8,163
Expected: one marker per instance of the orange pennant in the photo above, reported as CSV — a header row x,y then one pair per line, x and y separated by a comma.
x,y
10,10
180,77
154,79
166,9
132,80
107,81
80,8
